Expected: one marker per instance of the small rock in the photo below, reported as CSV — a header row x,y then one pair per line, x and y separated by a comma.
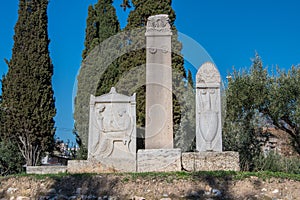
x,y
12,198
275,191
51,191
92,197
11,190
78,191
83,197
264,190
194,194
105,198
72,197
166,199
22,198
44,198
208,188
138,198
216,192
165,195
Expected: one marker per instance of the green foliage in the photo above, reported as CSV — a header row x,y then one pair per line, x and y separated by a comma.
x,y
283,103
240,129
255,99
11,160
190,79
276,163
102,23
27,89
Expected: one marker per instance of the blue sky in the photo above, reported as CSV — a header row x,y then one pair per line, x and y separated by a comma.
x,y
230,31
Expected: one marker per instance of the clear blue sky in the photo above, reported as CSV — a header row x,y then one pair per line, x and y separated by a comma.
x,y
230,31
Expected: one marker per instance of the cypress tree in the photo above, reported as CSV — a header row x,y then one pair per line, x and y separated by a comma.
x,y
190,79
90,31
27,89
101,24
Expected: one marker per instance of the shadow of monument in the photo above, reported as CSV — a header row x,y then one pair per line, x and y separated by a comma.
x,y
83,186
219,186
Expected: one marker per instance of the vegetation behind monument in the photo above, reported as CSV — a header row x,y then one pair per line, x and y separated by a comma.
x,y
102,23
127,72
256,100
28,101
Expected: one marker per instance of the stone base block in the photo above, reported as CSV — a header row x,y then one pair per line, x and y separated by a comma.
x,y
158,160
86,166
96,166
126,164
211,161
45,169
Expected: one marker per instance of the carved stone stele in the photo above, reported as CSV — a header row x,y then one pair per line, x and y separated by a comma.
x,y
159,116
208,109
112,131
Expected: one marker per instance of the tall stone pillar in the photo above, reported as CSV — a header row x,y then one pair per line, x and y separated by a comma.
x,y
208,109
159,115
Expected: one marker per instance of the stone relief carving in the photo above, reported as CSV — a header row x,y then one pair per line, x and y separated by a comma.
x,y
152,50
158,23
112,129
208,74
115,127
208,116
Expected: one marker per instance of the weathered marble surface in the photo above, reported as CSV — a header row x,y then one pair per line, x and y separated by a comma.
x,y
158,160
159,117
112,131
46,169
88,166
211,161
208,109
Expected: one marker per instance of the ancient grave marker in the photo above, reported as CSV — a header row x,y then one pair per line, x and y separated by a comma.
x,y
208,109
159,117
112,131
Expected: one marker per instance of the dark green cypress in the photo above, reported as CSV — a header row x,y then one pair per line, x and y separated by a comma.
x,y
102,23
90,31
190,79
27,88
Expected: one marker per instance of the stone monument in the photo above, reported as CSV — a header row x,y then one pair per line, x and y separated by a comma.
x,y
159,117
112,131
208,109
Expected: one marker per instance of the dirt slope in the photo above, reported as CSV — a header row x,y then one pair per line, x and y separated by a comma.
x,y
124,186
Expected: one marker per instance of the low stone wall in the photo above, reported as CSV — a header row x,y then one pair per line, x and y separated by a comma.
x,y
46,169
153,160
211,161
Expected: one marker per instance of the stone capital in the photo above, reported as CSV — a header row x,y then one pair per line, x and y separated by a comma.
x,y
158,25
